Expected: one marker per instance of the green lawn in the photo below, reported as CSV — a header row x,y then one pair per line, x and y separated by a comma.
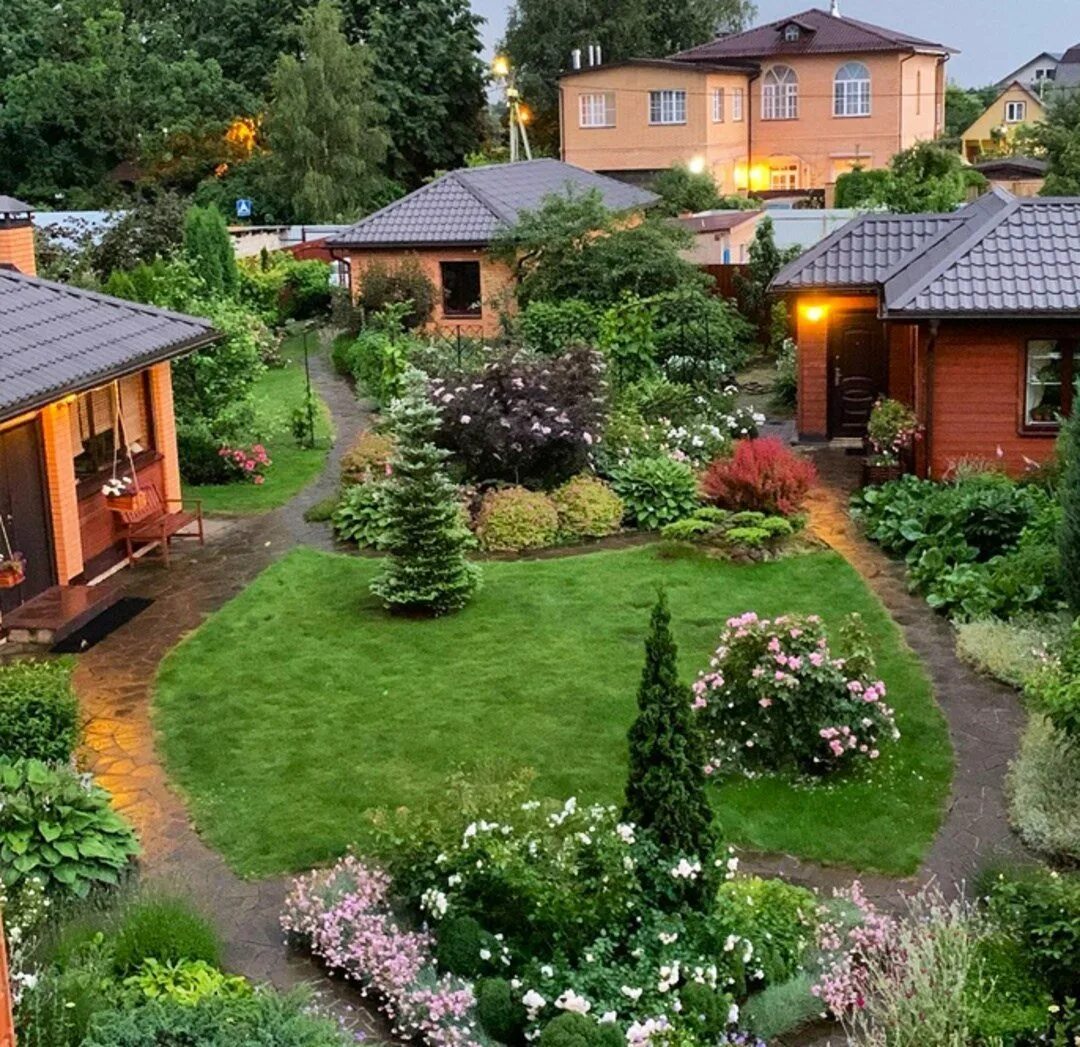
x,y
277,394
301,703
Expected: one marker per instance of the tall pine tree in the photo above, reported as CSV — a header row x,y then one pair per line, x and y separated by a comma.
x,y
1069,493
209,249
665,789
426,569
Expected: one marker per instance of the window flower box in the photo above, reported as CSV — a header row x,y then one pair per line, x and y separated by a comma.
x,y
123,495
12,571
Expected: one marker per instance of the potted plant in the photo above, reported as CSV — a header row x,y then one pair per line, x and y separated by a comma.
x,y
890,433
12,570
123,494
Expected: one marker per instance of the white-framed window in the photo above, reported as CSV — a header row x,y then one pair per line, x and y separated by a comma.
x,y
851,90
718,105
1015,112
1049,387
737,104
791,33
784,177
667,107
780,94
597,109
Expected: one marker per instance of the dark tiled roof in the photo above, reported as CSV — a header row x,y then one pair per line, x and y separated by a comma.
x,y
471,205
998,256
822,33
717,221
1011,166
9,205
56,340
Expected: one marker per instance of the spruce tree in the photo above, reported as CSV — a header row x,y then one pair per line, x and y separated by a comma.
x,y
665,789
426,569
1069,493
209,249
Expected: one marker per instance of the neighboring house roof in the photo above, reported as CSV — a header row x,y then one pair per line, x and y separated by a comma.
x,y
664,63
1068,70
56,340
717,221
998,256
1012,167
9,205
468,207
821,33
1054,56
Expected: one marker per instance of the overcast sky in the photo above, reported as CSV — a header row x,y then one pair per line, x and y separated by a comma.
x,y
993,36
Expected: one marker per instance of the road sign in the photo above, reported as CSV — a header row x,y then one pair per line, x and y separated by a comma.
x,y
243,207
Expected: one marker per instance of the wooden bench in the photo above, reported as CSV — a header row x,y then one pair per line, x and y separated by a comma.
x,y
160,520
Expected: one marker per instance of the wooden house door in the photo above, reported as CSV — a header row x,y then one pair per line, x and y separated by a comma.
x,y
858,371
24,506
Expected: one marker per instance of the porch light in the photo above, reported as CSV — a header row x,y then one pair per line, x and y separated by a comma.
x,y
814,313
696,165
759,177
500,66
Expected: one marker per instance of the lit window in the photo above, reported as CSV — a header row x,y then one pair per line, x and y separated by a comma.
x,y
851,90
737,104
780,94
1015,112
784,178
460,288
1049,382
718,105
791,33
667,107
597,109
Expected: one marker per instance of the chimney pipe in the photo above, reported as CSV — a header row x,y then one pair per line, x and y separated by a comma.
x,y
834,9
599,56
575,58
17,235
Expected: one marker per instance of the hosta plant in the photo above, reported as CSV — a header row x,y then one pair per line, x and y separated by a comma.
x,y
361,516
776,697
57,826
186,981
656,491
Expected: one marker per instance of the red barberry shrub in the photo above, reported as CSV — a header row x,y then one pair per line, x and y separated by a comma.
x,y
762,475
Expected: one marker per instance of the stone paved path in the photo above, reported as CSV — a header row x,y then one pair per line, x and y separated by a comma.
x,y
114,681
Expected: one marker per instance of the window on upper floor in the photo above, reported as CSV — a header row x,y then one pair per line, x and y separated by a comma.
x,y
718,105
791,33
667,107
780,94
596,109
851,90
1015,112
737,104
1049,387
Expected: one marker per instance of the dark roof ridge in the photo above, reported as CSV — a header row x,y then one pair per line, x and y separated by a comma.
x,y
796,265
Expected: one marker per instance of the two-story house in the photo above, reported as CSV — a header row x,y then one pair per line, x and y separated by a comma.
x,y
782,107
994,132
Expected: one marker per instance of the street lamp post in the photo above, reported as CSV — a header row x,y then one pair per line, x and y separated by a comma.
x,y
517,109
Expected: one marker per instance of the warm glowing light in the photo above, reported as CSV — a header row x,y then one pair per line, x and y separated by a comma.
x,y
740,177
500,66
759,177
241,134
814,313
696,165
524,113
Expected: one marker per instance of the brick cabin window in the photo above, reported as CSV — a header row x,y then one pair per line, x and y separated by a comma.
x,y
597,109
667,107
718,105
851,90
1048,382
460,288
737,104
780,94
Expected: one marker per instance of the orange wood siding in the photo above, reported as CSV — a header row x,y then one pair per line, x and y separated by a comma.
x,y
59,452
17,247
902,340
976,380
99,525
164,427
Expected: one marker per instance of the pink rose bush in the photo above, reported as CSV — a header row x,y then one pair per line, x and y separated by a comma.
x,y
775,696
343,915
249,463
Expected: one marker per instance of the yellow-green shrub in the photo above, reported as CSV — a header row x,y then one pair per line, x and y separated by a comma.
x,y
514,518
367,458
587,507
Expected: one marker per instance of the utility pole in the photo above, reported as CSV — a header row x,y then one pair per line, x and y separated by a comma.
x,y
518,111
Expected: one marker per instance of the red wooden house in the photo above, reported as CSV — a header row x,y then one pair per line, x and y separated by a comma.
x,y
972,318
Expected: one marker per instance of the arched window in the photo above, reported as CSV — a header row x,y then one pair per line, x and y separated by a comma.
x,y
851,90
780,94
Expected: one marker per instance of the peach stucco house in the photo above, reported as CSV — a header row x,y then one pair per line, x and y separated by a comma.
x,y
783,107
73,362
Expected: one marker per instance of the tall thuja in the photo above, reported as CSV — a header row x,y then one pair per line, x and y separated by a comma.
x,y
1069,493
426,569
665,789
209,250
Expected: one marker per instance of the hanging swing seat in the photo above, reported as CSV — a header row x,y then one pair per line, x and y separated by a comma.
x,y
160,520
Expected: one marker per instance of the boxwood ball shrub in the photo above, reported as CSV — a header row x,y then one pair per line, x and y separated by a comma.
x,y
165,929
513,518
368,458
38,711
656,490
776,697
761,475
58,827
587,507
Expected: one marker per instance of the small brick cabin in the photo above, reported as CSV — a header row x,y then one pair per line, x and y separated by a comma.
x,y
972,318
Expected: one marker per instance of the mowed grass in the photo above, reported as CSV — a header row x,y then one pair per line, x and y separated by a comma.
x,y
301,703
276,394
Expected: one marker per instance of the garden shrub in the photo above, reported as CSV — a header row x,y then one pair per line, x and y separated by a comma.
x,y
783,1008
368,457
362,515
762,475
704,1012
785,389
57,827
579,1030
1008,1004
200,456
1044,791
1069,493
655,491
1011,651
776,697
264,1017
513,518
377,361
1040,910
406,283
499,1010
551,328
521,419
38,711
587,507
736,534
185,981
1055,688
165,929
281,287
461,942
209,250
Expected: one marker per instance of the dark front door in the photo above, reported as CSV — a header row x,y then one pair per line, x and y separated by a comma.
x,y
858,371
24,507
